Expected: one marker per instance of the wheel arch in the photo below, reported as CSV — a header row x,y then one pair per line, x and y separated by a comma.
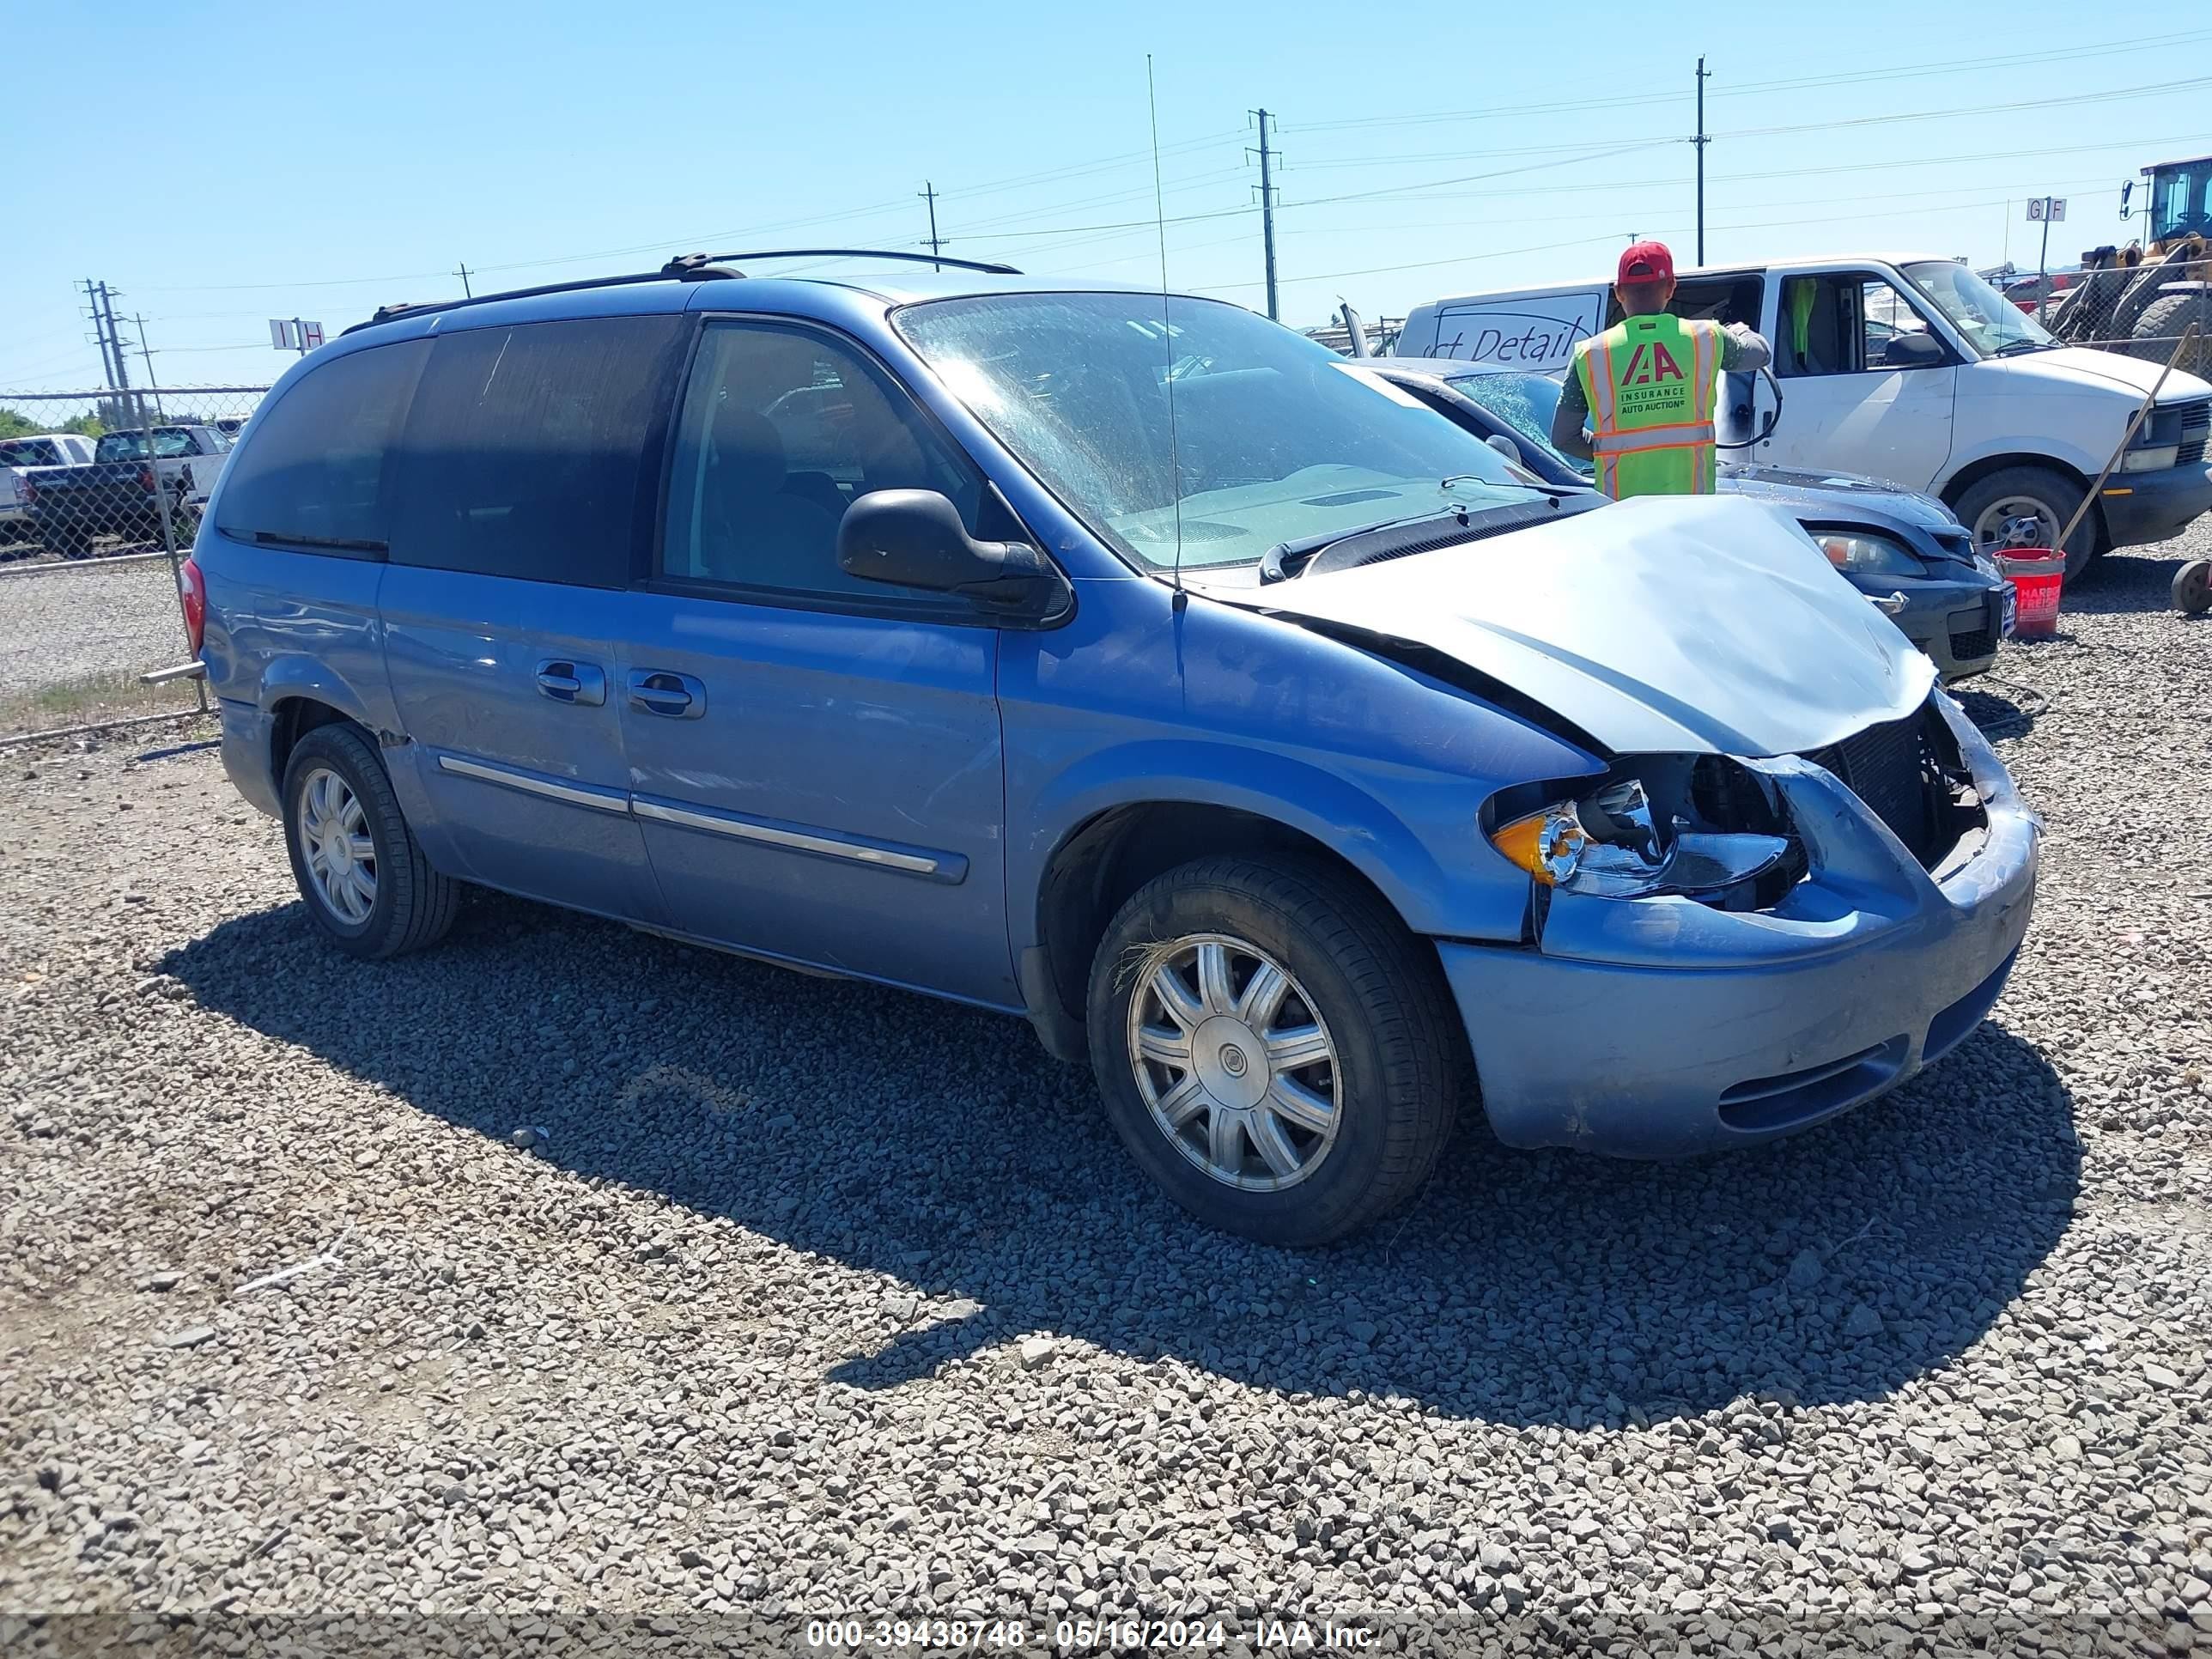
x,y
299,694
1988,466
1092,871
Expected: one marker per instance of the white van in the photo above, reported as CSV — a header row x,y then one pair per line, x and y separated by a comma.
x,y
1909,368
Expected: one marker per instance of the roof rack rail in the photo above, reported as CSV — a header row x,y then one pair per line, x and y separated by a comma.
x,y
690,262
684,268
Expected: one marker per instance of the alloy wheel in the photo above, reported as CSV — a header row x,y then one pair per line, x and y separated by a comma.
x,y
1234,1061
335,843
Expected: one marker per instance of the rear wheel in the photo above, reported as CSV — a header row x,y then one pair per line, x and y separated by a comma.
x,y
367,886
2022,507
1274,1048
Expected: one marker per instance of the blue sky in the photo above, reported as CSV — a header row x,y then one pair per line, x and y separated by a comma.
x,y
223,164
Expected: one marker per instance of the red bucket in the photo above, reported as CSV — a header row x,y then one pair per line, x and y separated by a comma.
x,y
2037,579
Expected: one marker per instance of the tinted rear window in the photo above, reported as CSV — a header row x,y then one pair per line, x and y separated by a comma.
x,y
533,451
30,451
317,470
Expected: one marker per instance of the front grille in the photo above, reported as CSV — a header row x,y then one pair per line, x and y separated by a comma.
x,y
1890,768
2196,426
1966,647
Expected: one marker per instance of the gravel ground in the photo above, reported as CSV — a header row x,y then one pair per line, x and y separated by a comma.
x,y
71,624
819,1299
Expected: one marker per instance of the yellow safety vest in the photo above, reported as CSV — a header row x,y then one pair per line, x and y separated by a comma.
x,y
1650,383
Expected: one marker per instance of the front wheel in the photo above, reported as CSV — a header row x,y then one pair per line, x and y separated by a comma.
x,y
2025,507
1273,1048
369,889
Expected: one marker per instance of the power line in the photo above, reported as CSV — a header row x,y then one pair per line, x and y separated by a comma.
x,y
2012,106
1582,241
2069,54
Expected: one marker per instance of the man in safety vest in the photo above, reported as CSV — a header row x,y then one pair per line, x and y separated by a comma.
x,y
1649,386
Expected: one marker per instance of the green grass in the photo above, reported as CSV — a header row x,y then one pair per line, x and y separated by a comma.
x,y
89,701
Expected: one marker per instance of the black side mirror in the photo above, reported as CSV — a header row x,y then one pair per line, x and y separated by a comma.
x,y
915,538
1916,349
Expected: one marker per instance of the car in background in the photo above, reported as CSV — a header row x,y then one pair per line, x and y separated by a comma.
x,y
1908,554
1909,368
20,456
119,492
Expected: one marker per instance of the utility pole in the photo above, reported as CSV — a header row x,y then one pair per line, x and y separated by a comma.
x,y
123,403
1701,141
147,352
928,193
100,333
107,299
1267,208
467,293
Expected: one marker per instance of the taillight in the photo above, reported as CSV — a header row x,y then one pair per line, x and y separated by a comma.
x,y
146,479
191,591
30,488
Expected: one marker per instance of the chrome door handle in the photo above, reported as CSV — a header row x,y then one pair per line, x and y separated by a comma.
x,y
572,682
672,696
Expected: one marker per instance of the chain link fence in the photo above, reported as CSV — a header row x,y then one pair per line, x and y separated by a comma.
x,y
100,495
2141,309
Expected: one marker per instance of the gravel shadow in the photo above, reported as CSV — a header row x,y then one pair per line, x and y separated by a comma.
x,y
940,1147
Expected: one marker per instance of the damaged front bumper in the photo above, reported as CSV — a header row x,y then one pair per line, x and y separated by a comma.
x,y
1662,1027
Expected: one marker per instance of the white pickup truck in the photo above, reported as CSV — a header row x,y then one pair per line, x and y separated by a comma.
x,y
1908,367
20,455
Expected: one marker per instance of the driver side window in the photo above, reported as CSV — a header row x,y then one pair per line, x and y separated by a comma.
x,y
1843,324
782,428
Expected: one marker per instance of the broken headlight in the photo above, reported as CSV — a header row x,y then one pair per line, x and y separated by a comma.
x,y
1622,840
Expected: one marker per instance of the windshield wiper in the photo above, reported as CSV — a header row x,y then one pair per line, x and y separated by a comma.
x,y
2012,348
342,543
1275,563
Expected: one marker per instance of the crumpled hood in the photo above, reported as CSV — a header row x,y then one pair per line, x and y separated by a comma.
x,y
1665,624
1842,492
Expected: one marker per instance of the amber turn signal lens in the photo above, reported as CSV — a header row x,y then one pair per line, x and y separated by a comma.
x,y
1546,844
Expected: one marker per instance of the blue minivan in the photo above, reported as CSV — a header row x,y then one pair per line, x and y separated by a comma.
x,y
1119,660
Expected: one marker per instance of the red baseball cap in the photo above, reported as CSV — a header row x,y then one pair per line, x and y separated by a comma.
x,y
1645,262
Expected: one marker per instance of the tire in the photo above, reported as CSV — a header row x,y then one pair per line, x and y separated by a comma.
x,y
411,904
2192,588
2163,322
1355,980
1986,505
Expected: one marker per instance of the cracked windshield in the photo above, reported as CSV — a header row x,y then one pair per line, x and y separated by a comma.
x,y
1272,439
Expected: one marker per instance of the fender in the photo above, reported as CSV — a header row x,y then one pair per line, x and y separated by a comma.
x,y
2014,449
292,675
1476,901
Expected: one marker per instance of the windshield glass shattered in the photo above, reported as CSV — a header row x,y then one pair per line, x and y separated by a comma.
x,y
1269,439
